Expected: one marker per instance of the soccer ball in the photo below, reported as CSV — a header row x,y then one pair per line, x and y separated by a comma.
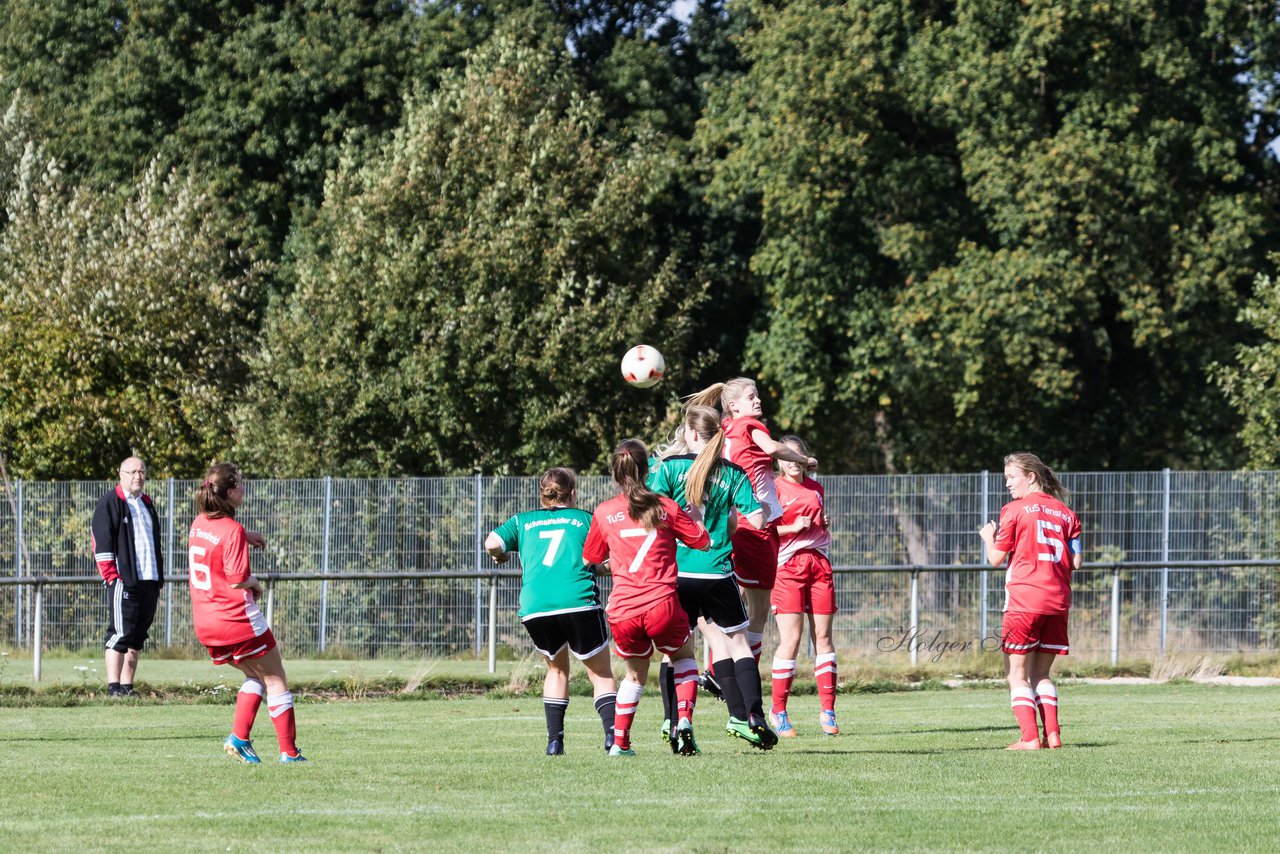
x,y
643,366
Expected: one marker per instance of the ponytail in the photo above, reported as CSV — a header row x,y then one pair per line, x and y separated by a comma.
x,y
630,468
211,495
556,486
705,421
1046,480
721,394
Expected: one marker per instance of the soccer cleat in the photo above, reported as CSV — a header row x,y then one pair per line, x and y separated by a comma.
x,y
782,724
242,749
684,741
666,731
1033,744
828,720
621,751
741,729
1053,741
555,747
297,757
707,680
768,738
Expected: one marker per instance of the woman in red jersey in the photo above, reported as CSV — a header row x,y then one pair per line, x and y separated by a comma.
x,y
747,444
228,622
804,585
637,533
1040,537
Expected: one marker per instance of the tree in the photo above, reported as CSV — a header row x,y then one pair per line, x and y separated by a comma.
x,y
463,298
123,321
1250,379
986,227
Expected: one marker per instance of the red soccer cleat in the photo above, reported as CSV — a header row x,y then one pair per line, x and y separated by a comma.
x,y
1033,744
1053,741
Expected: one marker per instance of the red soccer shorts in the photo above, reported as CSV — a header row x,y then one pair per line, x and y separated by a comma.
x,y
243,651
755,555
1024,632
665,626
804,585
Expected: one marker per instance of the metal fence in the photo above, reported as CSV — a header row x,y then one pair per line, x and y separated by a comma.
x,y
1190,562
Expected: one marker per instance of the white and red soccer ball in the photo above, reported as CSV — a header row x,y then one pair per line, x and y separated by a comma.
x,y
643,366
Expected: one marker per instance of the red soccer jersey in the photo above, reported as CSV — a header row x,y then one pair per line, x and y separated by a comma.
x,y
802,499
1042,536
643,562
218,557
742,450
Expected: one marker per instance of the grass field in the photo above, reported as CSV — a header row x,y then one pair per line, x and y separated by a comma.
x,y
1162,767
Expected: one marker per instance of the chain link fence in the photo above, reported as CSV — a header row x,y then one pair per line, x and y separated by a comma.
x,y
905,550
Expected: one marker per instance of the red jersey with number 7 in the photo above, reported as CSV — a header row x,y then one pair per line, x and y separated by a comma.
x,y
217,558
1042,537
643,563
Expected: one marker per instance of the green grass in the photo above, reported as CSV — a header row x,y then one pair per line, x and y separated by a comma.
x,y
1162,767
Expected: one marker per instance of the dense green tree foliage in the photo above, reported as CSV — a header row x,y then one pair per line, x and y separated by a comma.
x,y
463,297
986,226
935,231
125,320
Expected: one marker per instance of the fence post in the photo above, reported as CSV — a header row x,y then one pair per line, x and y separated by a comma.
x,y
1115,616
983,579
915,614
168,561
271,602
479,544
324,560
18,593
1164,570
38,639
493,624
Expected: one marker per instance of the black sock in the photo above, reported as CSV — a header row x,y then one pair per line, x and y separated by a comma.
x,y
606,708
555,707
728,680
748,671
667,687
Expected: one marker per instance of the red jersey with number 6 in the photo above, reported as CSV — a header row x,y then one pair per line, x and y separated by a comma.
x,y
1042,536
643,563
217,558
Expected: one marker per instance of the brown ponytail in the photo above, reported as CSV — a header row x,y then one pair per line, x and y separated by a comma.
x,y
211,495
1046,480
630,468
556,486
705,421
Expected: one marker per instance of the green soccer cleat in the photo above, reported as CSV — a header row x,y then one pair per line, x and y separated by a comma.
x,y
685,745
621,751
666,730
741,729
241,749
768,738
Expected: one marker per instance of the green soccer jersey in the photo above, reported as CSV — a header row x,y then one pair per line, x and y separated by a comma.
x,y
727,488
550,545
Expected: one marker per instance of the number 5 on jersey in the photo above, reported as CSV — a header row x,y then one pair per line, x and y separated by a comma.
x,y
1045,533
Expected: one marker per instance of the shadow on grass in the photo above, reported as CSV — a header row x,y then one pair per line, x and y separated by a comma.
x,y
97,737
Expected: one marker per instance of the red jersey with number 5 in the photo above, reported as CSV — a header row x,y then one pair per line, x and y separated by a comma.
x,y
218,557
1042,537
741,450
643,563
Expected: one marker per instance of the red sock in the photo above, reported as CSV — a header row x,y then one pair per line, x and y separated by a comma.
x,y
824,671
281,708
1048,702
756,640
784,674
247,703
685,671
1024,710
624,712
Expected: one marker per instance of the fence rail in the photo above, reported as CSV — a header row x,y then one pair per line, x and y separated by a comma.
x,y
1175,561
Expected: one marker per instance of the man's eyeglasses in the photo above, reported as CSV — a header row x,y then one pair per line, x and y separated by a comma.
x,y
134,472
